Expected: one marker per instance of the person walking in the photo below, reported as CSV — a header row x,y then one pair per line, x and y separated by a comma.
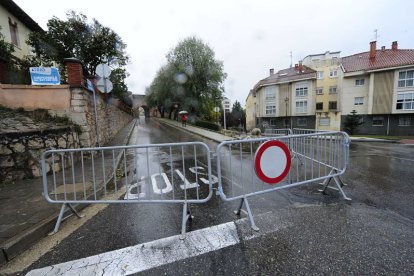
x,y
183,119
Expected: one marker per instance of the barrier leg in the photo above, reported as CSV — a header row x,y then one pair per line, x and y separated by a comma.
x,y
248,211
340,184
60,217
186,216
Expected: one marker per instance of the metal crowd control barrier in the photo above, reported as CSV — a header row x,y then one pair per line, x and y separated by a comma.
x,y
318,156
270,132
175,173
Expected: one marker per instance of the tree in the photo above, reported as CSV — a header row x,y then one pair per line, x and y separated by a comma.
x,y
192,79
351,122
90,42
237,116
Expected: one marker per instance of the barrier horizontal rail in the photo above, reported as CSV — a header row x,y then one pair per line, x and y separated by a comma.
x,y
171,173
319,156
277,132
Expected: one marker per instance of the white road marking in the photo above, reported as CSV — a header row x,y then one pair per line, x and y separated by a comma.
x,y
145,256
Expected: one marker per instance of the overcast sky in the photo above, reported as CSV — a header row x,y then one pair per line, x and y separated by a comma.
x,y
250,37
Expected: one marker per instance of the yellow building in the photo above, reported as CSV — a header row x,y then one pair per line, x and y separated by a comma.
x,y
250,110
16,25
328,89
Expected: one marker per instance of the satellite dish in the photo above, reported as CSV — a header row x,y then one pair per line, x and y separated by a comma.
x,y
104,85
103,70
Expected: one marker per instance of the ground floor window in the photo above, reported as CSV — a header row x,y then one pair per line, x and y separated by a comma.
x,y
272,122
302,122
404,120
324,121
377,120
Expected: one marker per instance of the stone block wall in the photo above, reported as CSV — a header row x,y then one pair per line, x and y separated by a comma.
x,y
110,119
21,153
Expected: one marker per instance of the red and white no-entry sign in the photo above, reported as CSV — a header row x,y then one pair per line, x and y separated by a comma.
x,y
272,161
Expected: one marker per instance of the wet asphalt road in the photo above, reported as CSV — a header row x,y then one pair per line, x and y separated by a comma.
x,y
314,233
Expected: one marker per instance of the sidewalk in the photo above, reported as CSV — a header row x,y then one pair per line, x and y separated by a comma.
x,y
210,134
25,215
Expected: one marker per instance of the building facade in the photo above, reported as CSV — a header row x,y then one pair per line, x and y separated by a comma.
x,y
286,98
321,93
250,110
379,86
328,89
16,25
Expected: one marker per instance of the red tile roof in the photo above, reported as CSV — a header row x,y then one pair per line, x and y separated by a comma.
x,y
383,59
287,75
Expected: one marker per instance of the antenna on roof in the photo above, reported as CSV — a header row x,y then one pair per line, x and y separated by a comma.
x,y
290,59
376,35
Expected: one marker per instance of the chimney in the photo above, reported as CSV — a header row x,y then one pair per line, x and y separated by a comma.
x,y
372,49
300,67
74,68
272,71
394,45
382,48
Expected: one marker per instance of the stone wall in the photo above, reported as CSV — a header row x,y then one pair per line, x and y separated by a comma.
x,y
21,153
110,118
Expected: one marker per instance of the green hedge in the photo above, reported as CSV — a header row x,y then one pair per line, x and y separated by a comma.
x,y
209,125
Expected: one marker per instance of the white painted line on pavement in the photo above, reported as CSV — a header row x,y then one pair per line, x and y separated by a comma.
x,y
148,255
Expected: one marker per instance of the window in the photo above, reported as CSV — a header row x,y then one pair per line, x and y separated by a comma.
x,y
270,96
333,90
333,73
319,106
301,106
359,82
404,120
333,106
377,120
13,32
320,75
406,78
358,100
405,101
302,89
270,109
286,122
319,91
272,122
324,121
302,122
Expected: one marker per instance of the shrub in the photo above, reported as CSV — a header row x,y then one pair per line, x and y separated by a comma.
x,y
209,125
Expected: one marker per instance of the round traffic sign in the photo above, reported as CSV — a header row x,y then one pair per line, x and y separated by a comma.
x,y
103,70
104,85
272,161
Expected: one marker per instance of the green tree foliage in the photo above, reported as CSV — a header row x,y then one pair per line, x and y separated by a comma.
x,y
6,49
90,42
17,69
237,116
192,79
351,122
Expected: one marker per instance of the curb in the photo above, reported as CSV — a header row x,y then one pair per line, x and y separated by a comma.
x,y
24,240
